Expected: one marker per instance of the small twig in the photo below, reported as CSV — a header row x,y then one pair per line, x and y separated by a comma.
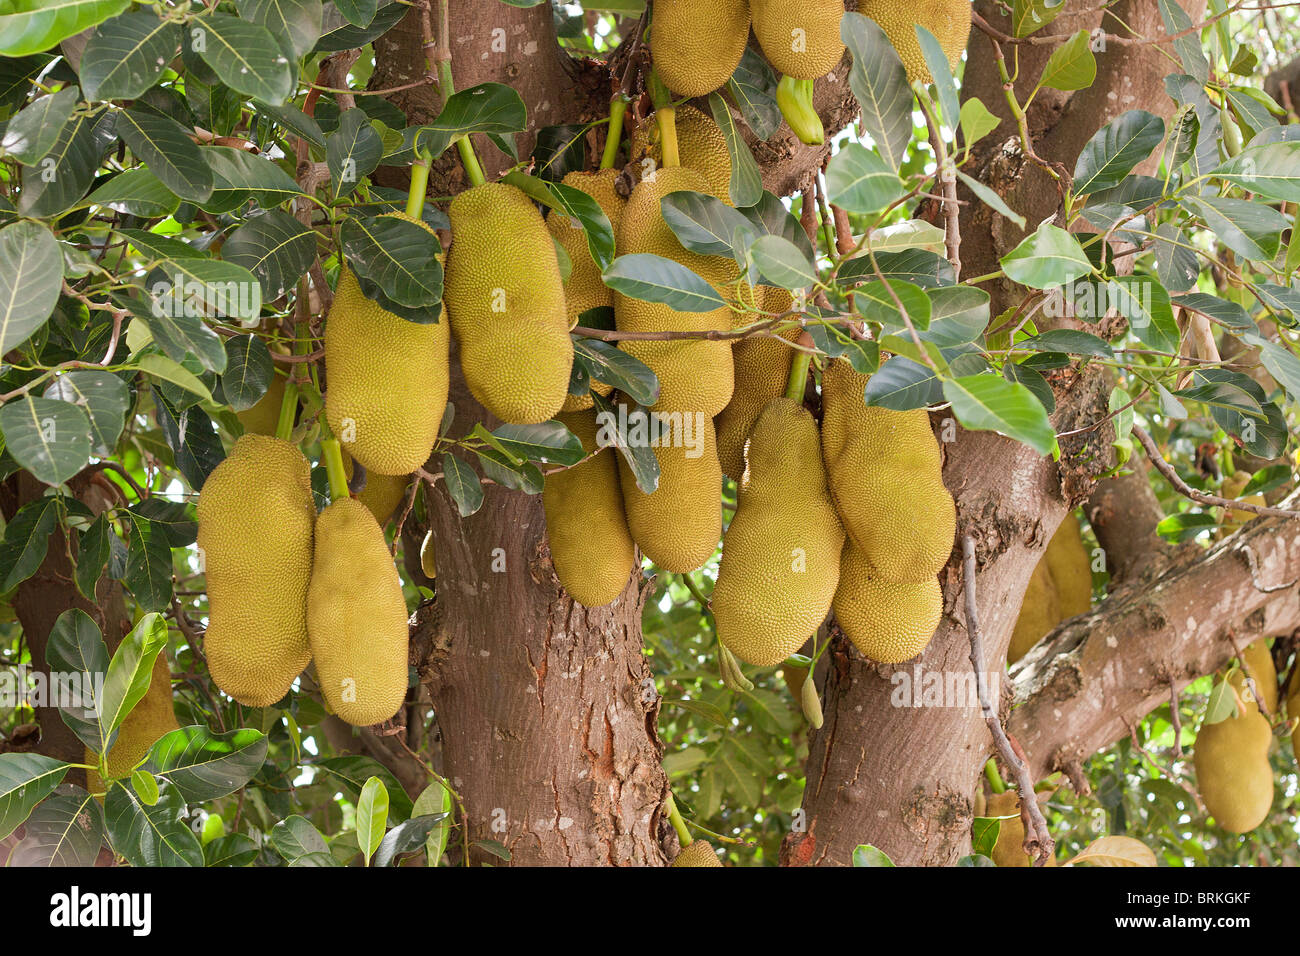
x,y
947,182
1252,562
1038,842
1175,719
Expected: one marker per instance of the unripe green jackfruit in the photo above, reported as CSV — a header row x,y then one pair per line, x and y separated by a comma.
x,y
886,621
697,853
591,546
386,380
886,475
695,375
1232,770
678,526
800,39
263,417
151,718
505,296
948,20
697,44
256,516
701,146
356,616
781,554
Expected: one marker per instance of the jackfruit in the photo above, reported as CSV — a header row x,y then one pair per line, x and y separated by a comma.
x,y
151,717
697,853
263,417
886,475
382,493
585,288
591,546
386,379
886,621
506,301
781,554
697,44
256,516
948,20
678,526
1009,850
1232,519
1259,661
800,39
695,375
1060,588
1232,770
700,146
356,616
1040,612
1293,708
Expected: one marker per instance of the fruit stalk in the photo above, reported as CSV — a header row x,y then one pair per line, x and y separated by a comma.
x,y
419,184
468,158
332,454
666,117
794,389
675,818
617,110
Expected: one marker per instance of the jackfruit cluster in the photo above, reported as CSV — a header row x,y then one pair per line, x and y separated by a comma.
x,y
697,853
697,44
586,527
356,616
386,379
781,554
886,477
151,718
505,296
948,20
701,146
256,518
1233,774
695,375
801,40
1060,588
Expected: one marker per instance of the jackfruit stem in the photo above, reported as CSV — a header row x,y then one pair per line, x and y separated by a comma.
x,y
666,117
995,780
797,383
614,136
331,453
468,158
675,818
419,185
288,410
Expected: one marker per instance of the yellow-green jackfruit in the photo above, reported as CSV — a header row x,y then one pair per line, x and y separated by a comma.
x,y
585,289
700,146
356,616
695,375
1232,770
781,554
697,44
256,516
1234,518
948,20
429,556
1060,588
697,853
801,40
886,621
1040,611
152,717
506,301
382,493
386,380
678,526
1259,661
1009,850
263,417
886,475
591,546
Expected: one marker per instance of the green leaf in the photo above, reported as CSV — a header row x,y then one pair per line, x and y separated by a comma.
x,y
1027,16
549,443
244,55
94,549
1176,262
296,24
1281,363
486,108
295,837
395,262
148,565
613,366
585,212
151,835
407,836
1252,230
1178,23
879,82
25,780
145,787
976,121
958,314
372,816
753,89
1072,65
234,849
859,181
66,829
62,176
991,199
991,403
26,540
984,834
238,176
704,223
353,772
353,152
135,192
130,671
275,247
177,333
49,438
875,303
31,276
770,217
51,22
1072,341
653,278
1271,170
868,855
125,55
783,263
1226,311
902,384
435,800
166,147
1149,311
339,34
206,287
202,765
76,647
248,373
1115,149
1046,258
746,179
936,61
462,484
34,131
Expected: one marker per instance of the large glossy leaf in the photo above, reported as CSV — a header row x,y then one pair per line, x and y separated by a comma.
x,y
31,275
244,54
26,541
249,370
1046,258
396,264
275,247
66,829
202,765
76,648
352,152
166,147
1115,149
704,223
903,384
135,192
746,178
462,484
130,671
1071,65
879,83
296,24
295,837
1272,170
61,177
126,55
653,278
43,24
50,438
486,108
34,131
353,771
154,835
991,403
859,181
372,816
25,780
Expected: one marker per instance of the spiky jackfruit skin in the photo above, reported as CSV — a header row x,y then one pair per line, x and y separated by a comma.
x,y
256,516
697,853
678,526
382,493
386,379
1259,661
886,475
1040,611
697,44
948,20
1009,849
1232,770
700,146
1060,588
781,554
802,39
263,417
152,717
356,616
591,546
585,288
886,621
695,375
506,301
